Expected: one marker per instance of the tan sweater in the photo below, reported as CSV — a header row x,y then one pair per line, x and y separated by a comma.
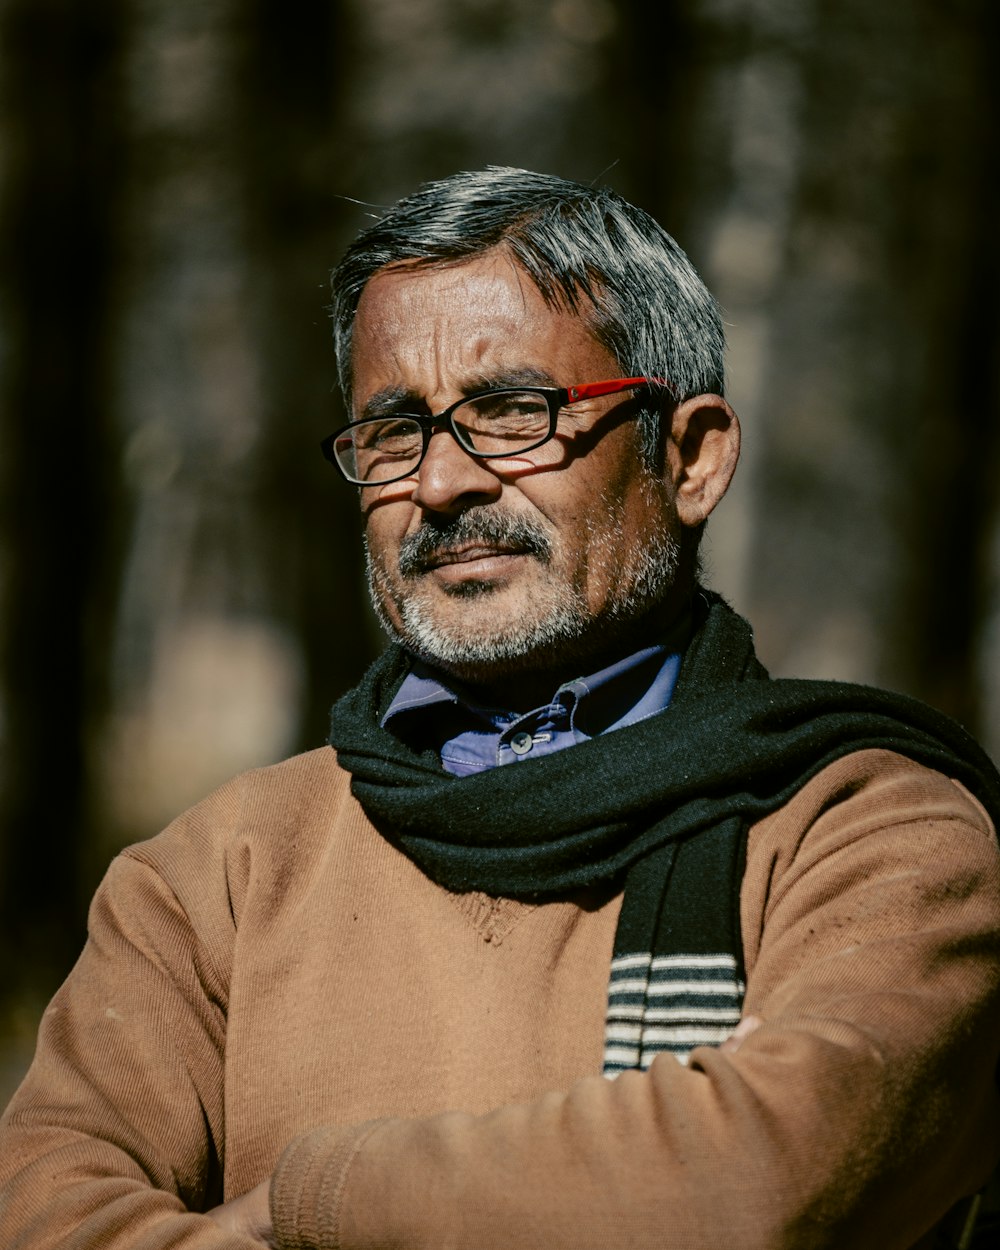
x,y
270,983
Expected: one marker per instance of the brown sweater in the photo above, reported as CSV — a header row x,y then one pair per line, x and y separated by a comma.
x,y
269,983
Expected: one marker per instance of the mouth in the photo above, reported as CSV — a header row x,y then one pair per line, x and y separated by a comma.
x,y
470,554
472,545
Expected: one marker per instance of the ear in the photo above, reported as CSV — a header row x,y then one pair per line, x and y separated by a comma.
x,y
702,451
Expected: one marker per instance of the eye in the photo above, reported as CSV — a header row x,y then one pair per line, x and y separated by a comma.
x,y
393,436
507,407
503,423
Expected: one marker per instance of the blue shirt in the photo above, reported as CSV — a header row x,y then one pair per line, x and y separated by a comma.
x,y
471,737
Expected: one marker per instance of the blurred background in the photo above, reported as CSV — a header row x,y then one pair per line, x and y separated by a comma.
x,y
180,578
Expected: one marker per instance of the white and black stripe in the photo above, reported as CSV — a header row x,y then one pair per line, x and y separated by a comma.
x,y
670,1003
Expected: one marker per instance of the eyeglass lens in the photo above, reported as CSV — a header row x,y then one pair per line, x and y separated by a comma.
x,y
498,424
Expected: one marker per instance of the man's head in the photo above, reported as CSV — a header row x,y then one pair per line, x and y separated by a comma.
x,y
584,247
502,567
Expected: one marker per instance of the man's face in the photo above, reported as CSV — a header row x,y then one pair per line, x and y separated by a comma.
x,y
504,567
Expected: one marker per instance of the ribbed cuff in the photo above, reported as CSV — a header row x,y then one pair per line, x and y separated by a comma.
x,y
307,1187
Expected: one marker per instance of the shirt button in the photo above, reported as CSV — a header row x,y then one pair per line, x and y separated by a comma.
x,y
520,744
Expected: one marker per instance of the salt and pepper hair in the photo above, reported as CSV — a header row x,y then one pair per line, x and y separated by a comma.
x,y
584,247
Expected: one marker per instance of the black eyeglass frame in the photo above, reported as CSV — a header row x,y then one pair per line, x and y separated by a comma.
x,y
556,398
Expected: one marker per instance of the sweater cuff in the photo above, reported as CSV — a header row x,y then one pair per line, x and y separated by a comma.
x,y
307,1186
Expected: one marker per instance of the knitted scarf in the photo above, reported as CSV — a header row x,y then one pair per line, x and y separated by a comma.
x,y
733,746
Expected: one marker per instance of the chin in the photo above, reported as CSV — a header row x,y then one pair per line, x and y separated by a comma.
x,y
482,631
478,637
473,589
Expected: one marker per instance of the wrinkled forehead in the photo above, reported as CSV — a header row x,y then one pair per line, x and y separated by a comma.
x,y
437,332
476,303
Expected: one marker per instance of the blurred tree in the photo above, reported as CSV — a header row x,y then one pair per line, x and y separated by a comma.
x,y
61,507
879,449
294,81
943,255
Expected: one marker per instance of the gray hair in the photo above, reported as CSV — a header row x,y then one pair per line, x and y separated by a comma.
x,y
642,298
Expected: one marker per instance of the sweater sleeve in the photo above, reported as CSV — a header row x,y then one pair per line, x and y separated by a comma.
x,y
114,1139
858,1112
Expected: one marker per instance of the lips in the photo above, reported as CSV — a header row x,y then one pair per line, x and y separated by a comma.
x,y
466,555
478,534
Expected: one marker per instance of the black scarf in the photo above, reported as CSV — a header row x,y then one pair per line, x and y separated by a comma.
x,y
733,746
732,742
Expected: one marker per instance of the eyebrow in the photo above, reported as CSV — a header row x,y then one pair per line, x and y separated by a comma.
x,y
524,375
389,400
392,400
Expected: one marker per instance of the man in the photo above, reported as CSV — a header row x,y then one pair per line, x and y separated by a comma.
x,y
569,832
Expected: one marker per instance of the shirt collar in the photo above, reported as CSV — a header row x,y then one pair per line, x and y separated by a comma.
x,y
620,694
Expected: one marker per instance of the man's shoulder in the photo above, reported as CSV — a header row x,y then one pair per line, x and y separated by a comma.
x,y
285,805
284,788
874,844
874,805
888,787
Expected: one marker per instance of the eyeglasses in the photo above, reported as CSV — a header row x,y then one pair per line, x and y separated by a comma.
x,y
489,426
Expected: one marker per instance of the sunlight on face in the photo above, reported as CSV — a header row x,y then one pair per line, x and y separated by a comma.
x,y
492,567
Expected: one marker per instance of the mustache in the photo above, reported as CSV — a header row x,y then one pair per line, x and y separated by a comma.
x,y
420,551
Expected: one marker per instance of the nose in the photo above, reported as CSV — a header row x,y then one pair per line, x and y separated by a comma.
x,y
450,480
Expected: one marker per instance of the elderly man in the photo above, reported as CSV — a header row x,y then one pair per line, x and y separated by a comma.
x,y
569,831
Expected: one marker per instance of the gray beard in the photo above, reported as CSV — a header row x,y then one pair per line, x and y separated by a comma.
x,y
561,624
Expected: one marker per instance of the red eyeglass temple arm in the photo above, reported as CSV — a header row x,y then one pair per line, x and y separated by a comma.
x,y
591,390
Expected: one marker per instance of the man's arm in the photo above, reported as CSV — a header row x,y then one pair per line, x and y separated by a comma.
x,y
116,1135
857,1112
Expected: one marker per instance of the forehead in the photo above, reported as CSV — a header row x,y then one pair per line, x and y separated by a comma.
x,y
449,326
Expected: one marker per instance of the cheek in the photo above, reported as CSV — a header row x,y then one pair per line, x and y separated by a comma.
x,y
385,521
382,553
625,516
591,506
